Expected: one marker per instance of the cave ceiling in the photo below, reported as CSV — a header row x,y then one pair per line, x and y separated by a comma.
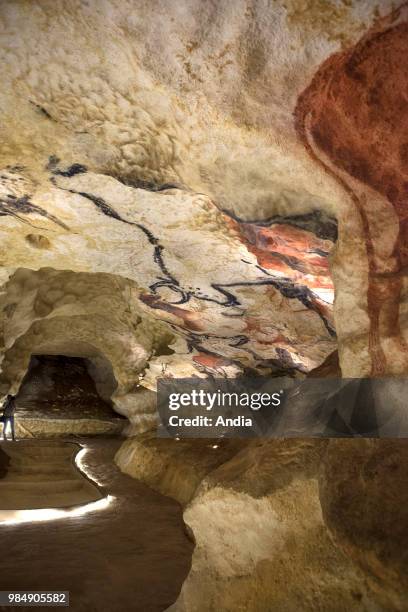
x,y
234,170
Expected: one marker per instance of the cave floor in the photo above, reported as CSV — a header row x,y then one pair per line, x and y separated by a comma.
x,y
133,554
31,425
40,474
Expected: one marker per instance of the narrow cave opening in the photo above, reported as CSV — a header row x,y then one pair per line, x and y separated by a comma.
x,y
61,387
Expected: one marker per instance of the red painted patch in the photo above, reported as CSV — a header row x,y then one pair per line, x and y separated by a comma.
x,y
190,319
355,111
293,253
211,361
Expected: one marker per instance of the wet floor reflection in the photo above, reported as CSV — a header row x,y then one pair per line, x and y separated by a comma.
x,y
127,550
40,474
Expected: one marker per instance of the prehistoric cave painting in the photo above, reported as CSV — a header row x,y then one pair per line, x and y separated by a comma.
x,y
167,279
12,206
353,120
211,362
274,247
297,261
195,336
191,320
280,257
317,222
15,201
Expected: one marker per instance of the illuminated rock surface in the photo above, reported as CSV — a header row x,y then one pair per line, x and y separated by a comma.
x,y
42,474
262,542
185,188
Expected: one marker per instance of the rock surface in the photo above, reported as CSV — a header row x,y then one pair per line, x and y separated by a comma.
x,y
208,178
240,275
215,189
262,540
363,491
43,474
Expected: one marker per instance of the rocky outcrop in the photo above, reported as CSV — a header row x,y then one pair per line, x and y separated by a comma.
x,y
363,489
50,312
262,540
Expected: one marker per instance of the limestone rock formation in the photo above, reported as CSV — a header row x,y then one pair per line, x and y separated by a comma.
x,y
363,489
211,189
262,542
225,270
219,122
43,475
255,301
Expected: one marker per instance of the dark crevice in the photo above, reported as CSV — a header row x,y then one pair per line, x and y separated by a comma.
x,y
42,110
137,183
57,386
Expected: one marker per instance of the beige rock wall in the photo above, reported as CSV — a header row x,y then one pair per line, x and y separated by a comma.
x,y
199,95
179,112
262,541
81,315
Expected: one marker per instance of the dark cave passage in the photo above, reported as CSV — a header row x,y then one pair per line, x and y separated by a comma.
x,y
61,386
67,509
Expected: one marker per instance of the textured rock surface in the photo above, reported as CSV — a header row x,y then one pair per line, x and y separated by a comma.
x,y
363,490
262,542
262,300
188,462
186,186
93,316
204,97
119,122
353,120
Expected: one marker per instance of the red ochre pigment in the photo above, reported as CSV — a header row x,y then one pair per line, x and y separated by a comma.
x,y
355,113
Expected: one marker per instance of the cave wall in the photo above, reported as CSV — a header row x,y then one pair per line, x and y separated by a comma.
x,y
285,524
51,312
257,303
120,123
217,110
237,170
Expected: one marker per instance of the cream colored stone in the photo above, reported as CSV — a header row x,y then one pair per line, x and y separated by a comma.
x,y
254,510
201,95
181,94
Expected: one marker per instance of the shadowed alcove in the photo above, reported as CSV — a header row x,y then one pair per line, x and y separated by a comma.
x,y
65,394
62,386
